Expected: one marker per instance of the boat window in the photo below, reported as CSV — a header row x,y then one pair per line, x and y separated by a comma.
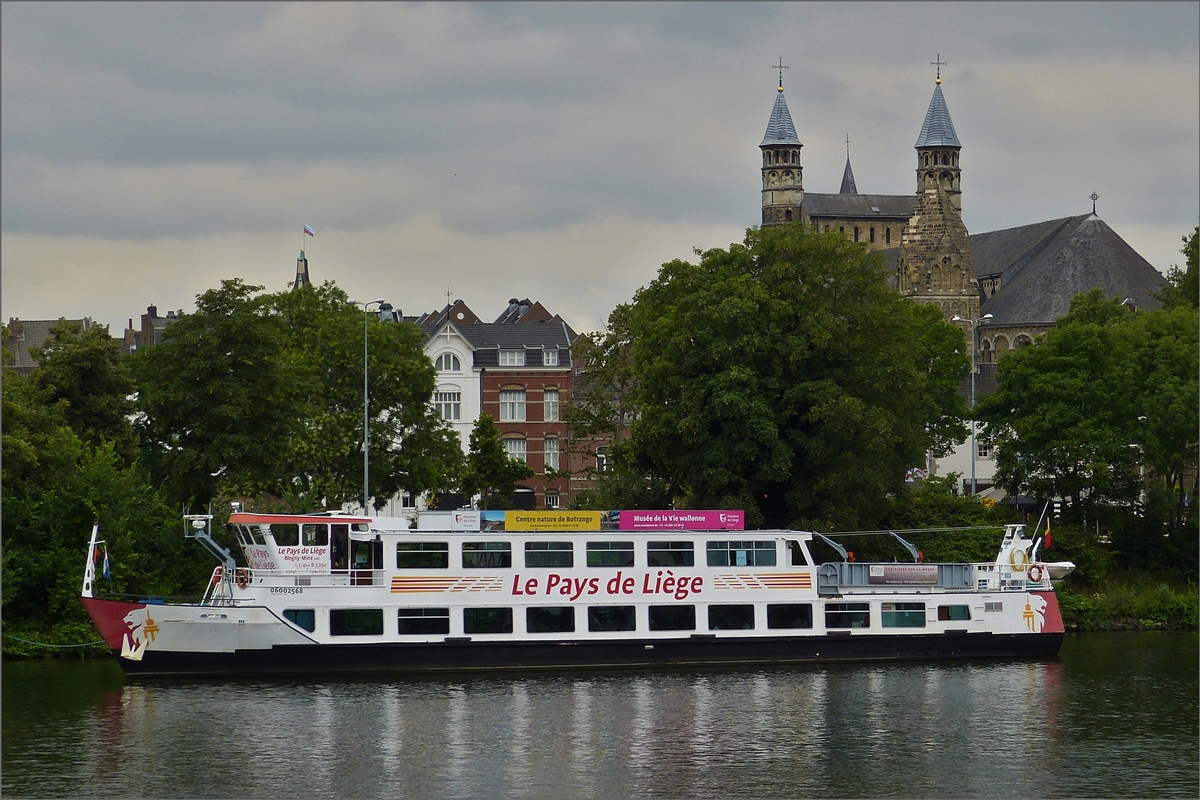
x,y
610,554
366,555
902,615
996,605
954,613
670,554
302,618
603,619
239,532
486,555
731,618
356,622
316,535
550,619
672,618
797,553
549,554
422,555
789,615
287,534
487,620
361,527
741,554
256,533
424,620
847,615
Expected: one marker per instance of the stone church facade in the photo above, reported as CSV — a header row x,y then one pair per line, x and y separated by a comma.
x,y
1007,287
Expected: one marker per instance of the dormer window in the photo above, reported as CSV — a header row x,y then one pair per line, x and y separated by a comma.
x,y
447,362
512,358
550,358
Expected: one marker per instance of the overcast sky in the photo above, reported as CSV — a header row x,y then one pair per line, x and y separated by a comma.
x,y
556,152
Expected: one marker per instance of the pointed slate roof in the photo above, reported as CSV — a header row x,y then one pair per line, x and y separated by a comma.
x,y
1046,264
848,186
938,130
780,129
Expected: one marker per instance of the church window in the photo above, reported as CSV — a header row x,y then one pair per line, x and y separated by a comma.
x,y
872,236
1022,341
928,279
887,233
856,233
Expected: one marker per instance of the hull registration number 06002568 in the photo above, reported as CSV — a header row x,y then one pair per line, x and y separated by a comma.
x,y
286,590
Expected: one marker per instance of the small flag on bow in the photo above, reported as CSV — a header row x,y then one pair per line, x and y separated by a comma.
x,y
309,231
1047,534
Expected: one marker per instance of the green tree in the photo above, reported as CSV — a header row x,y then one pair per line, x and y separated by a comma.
x,y
489,472
412,448
86,370
1079,413
220,400
1183,285
784,376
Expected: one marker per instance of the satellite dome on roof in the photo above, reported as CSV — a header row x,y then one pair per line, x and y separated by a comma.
x,y
780,129
938,130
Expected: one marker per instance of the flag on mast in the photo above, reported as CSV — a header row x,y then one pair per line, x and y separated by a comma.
x,y
1047,534
107,574
309,231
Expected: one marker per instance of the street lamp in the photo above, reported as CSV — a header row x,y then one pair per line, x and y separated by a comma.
x,y
366,398
974,323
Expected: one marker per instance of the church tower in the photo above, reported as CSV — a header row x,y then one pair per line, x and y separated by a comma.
x,y
938,147
936,265
782,176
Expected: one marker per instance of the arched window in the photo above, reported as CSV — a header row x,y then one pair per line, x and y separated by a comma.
x,y
872,236
985,348
447,362
787,215
1022,341
1001,345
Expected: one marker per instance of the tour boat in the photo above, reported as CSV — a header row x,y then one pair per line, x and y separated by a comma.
x,y
525,590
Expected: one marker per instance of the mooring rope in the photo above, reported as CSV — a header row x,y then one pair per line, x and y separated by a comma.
x,y
43,644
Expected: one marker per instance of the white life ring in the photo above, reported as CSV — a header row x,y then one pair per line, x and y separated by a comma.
x,y
243,578
1035,573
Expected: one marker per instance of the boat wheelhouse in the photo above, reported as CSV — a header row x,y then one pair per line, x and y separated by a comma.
x,y
470,590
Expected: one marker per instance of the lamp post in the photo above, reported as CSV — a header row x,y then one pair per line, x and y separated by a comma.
x,y
974,323
366,404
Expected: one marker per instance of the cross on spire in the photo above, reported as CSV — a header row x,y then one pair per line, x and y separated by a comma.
x,y
448,295
781,67
939,64
1095,197
847,146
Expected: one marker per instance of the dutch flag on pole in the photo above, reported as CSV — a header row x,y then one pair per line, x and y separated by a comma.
x,y
309,231
107,574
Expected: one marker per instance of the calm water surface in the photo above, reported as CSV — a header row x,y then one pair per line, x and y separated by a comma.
x,y
1115,716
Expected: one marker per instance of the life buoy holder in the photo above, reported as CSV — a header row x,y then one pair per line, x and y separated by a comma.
x,y
217,575
1035,573
243,578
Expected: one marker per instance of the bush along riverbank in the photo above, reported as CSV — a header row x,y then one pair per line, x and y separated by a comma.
x,y
1129,602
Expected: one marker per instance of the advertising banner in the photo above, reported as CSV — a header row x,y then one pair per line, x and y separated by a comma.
x,y
534,521
683,520
924,574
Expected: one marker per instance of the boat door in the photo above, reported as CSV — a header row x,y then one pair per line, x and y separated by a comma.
x,y
339,550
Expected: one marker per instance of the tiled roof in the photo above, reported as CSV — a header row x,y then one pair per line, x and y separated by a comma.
x,y
25,335
884,206
1046,264
499,335
848,186
938,130
780,129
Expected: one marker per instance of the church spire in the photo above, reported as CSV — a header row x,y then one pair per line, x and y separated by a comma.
x,y
782,175
848,186
301,272
938,147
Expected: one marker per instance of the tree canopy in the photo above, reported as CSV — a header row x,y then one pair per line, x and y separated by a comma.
x,y
783,376
489,471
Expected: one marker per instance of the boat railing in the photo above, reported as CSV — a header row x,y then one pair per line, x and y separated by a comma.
x,y
838,577
220,588
345,577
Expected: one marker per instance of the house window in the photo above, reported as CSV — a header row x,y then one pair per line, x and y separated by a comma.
x,y
512,405
856,233
552,500
872,236
984,451
516,449
549,358
551,451
512,358
602,459
550,405
449,405
447,362
887,235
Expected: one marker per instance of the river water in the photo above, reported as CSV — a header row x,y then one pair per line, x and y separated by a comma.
x,y
1114,716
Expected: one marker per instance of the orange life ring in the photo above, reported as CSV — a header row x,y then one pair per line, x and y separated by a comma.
x,y
1035,573
243,578
217,574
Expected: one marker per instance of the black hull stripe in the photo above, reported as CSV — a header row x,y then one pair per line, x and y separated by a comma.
x,y
443,657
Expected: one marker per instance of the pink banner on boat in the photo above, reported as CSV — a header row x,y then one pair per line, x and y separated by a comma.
x,y
683,520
